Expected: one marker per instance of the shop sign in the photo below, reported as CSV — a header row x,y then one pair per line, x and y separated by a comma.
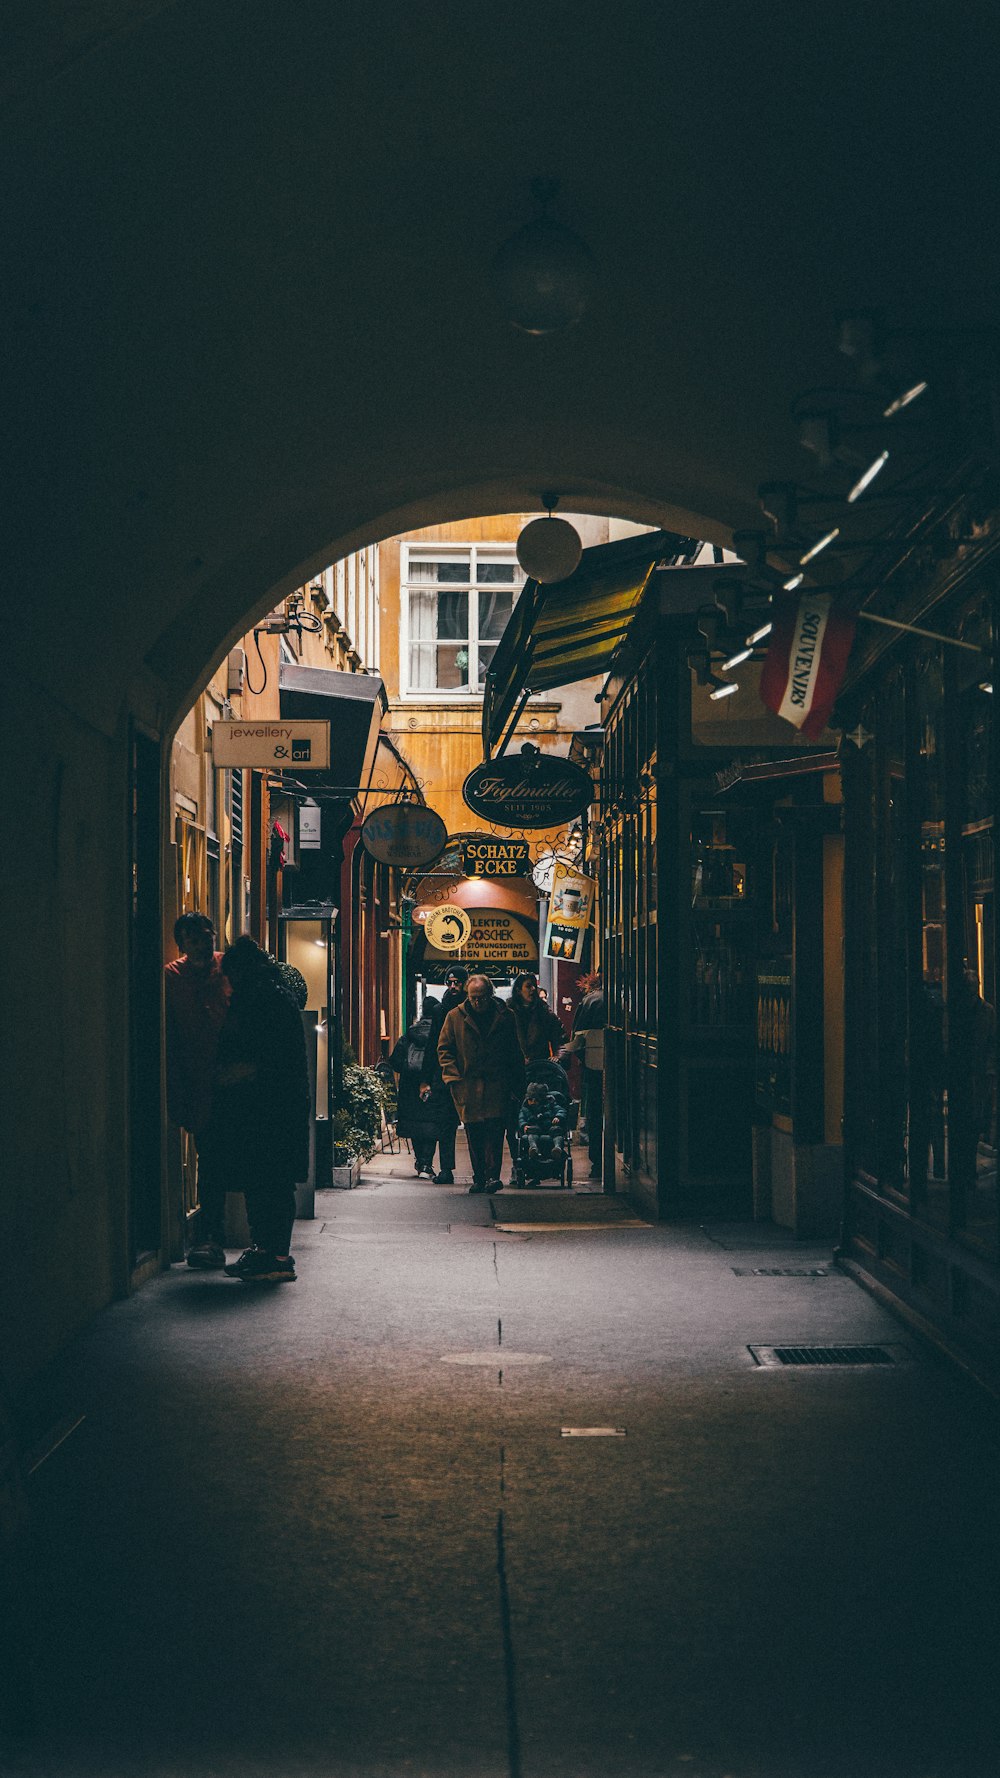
x,y
405,834
570,908
544,870
310,826
280,745
774,1035
496,858
448,927
532,789
498,942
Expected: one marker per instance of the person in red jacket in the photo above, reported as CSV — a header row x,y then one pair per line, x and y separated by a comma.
x,y
197,998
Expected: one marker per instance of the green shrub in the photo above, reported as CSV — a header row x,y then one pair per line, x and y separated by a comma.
x,y
357,1124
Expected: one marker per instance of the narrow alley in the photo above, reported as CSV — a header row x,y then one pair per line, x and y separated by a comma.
x,y
339,1531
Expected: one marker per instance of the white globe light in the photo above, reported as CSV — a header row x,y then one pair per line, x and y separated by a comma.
x,y
549,550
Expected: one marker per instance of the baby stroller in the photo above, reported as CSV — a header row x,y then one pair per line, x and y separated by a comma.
x,y
540,1152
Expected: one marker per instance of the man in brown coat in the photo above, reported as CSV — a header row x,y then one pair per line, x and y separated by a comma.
x,y
481,1063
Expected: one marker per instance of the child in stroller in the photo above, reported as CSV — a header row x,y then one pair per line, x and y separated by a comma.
x,y
543,1127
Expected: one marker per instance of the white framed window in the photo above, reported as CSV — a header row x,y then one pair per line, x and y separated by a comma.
x,y
456,601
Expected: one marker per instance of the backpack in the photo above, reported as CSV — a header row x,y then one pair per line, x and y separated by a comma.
x,y
416,1046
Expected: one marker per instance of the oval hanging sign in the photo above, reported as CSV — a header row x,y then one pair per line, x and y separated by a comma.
x,y
532,789
404,833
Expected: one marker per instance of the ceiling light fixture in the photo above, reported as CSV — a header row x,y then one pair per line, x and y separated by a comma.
x,y
544,274
796,580
822,544
901,401
759,635
724,691
549,549
736,660
865,481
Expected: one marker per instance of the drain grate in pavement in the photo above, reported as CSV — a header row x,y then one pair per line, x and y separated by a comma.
x,y
827,1355
780,1272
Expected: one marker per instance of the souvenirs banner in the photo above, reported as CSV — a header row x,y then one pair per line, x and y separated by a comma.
x,y
807,659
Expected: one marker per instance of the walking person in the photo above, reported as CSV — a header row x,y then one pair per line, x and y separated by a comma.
x,y
416,1110
588,1043
539,1032
482,1064
196,996
431,1082
540,1035
258,1136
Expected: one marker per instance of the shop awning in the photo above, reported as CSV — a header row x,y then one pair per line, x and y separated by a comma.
x,y
570,630
353,704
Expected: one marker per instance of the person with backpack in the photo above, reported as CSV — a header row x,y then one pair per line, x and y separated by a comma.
x,y
431,1082
416,1112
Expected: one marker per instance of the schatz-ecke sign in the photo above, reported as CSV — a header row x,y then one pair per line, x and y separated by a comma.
x,y
532,789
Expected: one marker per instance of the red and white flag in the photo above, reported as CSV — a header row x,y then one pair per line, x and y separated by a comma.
x,y
807,659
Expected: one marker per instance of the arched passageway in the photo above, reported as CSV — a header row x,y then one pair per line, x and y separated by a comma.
x,y
251,326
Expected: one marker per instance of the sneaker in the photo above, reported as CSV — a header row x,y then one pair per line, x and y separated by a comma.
x,y
477,1188
208,1256
443,1178
256,1266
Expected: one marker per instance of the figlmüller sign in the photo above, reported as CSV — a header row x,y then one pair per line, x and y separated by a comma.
x,y
532,789
282,745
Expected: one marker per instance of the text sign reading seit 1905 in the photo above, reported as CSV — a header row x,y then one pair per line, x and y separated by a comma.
x,y
532,789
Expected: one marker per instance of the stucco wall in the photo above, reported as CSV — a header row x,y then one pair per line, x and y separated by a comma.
x,y
62,1206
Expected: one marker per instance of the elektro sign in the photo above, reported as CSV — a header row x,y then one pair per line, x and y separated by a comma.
x,y
496,858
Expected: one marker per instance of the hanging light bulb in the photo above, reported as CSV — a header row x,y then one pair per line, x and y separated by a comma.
x,y
544,274
549,549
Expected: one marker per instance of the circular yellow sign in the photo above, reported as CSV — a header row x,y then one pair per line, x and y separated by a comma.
x,y
448,927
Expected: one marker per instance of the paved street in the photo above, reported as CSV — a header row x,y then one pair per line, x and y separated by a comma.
x,y
332,1529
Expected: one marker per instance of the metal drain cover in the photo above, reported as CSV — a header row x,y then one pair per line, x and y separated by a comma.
x,y
774,1357
780,1272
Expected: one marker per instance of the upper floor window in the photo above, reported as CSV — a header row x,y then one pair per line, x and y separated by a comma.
x,y
456,602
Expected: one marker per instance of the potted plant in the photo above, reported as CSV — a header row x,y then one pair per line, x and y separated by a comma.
x,y
357,1123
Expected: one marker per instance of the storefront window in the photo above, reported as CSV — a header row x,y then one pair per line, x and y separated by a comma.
x,y
972,1013
888,992
928,1149
721,985
861,940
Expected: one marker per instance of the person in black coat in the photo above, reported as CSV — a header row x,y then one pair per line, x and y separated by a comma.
x,y
416,1111
431,1083
258,1135
539,1032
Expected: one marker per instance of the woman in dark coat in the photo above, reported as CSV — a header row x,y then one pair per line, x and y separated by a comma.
x,y
539,1032
431,1082
258,1135
416,1107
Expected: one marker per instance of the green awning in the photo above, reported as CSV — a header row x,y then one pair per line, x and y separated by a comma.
x,y
570,630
